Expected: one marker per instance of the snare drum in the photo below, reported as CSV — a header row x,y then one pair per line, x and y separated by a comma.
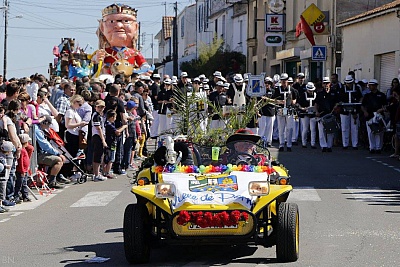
x,y
284,111
329,123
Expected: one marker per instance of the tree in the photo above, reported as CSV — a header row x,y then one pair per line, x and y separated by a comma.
x,y
213,57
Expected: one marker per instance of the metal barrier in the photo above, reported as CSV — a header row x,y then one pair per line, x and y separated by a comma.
x,y
34,163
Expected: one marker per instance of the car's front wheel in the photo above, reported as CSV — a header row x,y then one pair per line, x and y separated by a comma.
x,y
287,243
137,234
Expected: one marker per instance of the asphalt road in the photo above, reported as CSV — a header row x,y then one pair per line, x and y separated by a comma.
x,y
349,205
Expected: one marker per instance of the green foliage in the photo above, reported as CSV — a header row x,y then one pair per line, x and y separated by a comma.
x,y
213,57
193,108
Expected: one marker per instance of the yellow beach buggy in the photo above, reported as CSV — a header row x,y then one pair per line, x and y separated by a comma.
x,y
191,194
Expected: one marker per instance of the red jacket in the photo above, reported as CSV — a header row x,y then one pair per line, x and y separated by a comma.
x,y
23,162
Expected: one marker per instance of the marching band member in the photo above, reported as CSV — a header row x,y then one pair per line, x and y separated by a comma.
x,y
375,101
286,98
325,102
296,124
307,114
219,99
266,122
237,91
349,120
164,102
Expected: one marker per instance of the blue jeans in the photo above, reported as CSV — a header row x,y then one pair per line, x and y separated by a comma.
x,y
129,142
21,184
10,182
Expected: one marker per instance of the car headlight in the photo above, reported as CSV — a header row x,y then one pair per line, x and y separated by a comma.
x,y
164,190
259,188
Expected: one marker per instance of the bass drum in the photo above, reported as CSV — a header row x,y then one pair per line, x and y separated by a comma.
x,y
330,124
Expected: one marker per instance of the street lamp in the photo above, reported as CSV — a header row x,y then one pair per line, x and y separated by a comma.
x,y
6,7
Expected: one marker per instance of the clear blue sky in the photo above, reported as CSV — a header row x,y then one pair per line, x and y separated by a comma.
x,y
44,22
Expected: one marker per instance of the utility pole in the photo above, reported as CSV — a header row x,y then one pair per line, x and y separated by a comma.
x,y
6,5
152,49
175,41
138,41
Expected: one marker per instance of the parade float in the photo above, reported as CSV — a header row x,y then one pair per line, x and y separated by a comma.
x,y
117,53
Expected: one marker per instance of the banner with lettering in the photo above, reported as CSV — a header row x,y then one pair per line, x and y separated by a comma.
x,y
213,188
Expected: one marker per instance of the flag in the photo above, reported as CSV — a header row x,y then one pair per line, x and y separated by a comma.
x,y
303,26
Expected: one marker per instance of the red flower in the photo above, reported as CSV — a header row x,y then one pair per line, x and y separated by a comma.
x,y
235,217
224,217
183,218
216,221
245,216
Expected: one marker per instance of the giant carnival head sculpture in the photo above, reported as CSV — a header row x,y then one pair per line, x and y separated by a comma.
x,y
118,27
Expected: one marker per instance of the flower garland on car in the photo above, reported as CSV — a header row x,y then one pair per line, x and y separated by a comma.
x,y
211,169
209,219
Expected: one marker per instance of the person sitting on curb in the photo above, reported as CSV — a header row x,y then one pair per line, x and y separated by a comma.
x,y
47,154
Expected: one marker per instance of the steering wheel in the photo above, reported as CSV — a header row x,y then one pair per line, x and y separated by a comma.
x,y
246,159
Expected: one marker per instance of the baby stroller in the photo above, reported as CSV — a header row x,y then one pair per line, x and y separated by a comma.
x,y
56,141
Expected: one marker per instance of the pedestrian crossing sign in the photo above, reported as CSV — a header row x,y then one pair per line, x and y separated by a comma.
x,y
318,53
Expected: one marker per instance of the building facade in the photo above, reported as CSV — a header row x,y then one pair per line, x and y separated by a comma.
x,y
296,53
378,32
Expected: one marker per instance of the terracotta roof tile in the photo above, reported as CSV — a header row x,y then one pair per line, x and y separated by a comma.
x,y
373,11
167,26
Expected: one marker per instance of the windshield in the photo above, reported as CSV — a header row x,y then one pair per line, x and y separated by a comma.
x,y
235,153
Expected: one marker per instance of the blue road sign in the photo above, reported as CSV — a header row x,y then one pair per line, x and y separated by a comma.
x,y
318,53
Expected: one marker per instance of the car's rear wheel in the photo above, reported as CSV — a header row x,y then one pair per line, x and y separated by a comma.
x,y
136,234
287,239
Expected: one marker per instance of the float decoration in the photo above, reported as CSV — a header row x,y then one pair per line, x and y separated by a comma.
x,y
212,219
211,169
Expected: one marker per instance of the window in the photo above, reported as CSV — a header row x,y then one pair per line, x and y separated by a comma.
x,y
183,26
201,21
223,26
206,14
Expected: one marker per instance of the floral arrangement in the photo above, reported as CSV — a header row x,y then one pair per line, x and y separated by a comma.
x,y
210,219
211,169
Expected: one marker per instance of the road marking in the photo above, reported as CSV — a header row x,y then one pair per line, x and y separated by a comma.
x,y
16,214
96,199
4,220
304,194
372,194
33,204
384,164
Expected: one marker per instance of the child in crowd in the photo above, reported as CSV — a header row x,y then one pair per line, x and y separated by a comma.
x,y
6,157
130,142
111,140
22,171
98,139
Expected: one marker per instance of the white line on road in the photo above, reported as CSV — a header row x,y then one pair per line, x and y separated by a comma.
x,y
16,214
33,204
4,220
96,199
370,194
304,194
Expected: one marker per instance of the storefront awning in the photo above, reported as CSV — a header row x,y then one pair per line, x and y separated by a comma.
x,y
289,53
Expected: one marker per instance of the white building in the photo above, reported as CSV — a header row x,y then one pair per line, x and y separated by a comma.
x,y
371,43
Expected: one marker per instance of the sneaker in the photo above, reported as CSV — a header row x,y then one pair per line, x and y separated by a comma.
x,y
355,148
329,149
3,209
304,146
55,185
27,199
111,176
324,149
100,178
123,172
313,147
378,151
75,176
62,179
281,149
8,203
289,149
372,151
17,200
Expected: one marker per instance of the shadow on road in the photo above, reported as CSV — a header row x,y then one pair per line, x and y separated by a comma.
x,y
171,255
